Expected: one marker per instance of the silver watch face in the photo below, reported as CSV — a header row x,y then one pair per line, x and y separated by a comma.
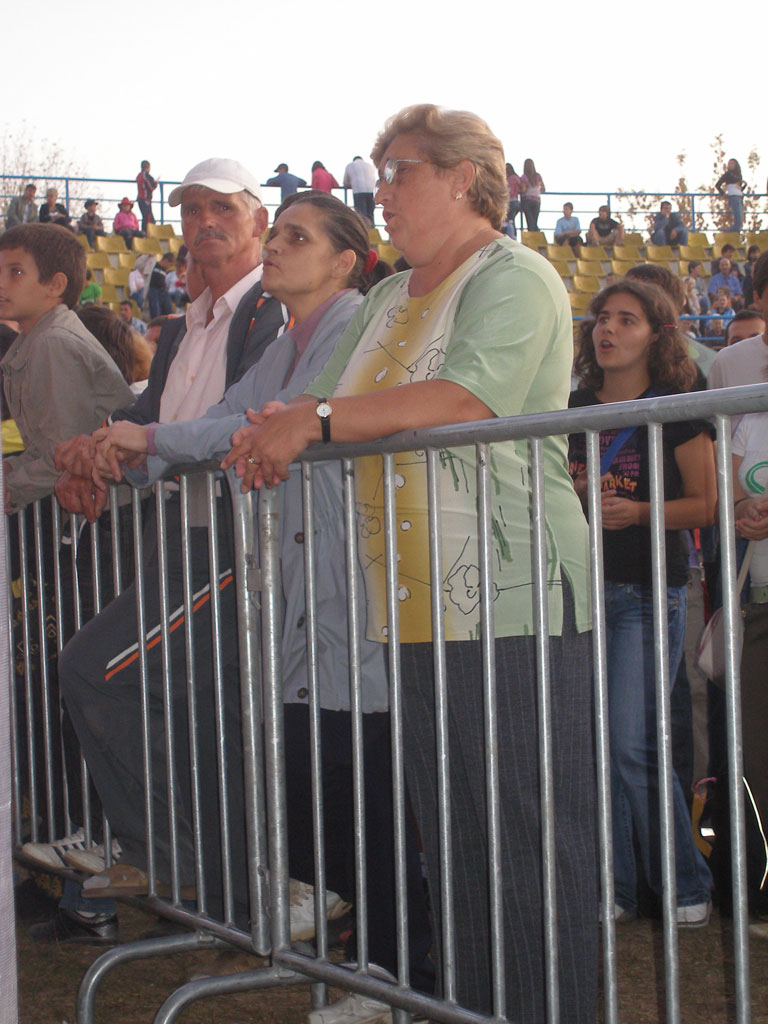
x,y
323,410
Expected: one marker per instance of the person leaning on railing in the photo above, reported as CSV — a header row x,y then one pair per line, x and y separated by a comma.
x,y
630,347
480,327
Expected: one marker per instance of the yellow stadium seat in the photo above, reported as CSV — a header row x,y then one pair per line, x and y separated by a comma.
x,y
150,245
693,252
580,302
97,259
374,238
627,252
174,244
160,231
389,253
727,238
109,294
659,252
83,240
588,268
118,276
535,239
110,243
593,252
584,283
562,268
758,238
620,267
699,239
559,253
126,259
633,238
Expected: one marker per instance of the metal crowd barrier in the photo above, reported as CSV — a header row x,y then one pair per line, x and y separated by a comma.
x,y
36,715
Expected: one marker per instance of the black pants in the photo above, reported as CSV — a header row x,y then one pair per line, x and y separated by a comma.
x,y
336,734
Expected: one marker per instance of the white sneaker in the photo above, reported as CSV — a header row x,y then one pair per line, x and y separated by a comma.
x,y
70,851
694,916
302,899
353,1009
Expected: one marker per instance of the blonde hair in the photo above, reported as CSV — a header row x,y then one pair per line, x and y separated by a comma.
x,y
446,137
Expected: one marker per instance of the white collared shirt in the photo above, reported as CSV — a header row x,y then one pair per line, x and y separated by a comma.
x,y
197,376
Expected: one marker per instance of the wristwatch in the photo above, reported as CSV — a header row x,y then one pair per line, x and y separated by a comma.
x,y
324,412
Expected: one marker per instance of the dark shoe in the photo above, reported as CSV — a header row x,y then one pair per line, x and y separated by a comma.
x,y
70,926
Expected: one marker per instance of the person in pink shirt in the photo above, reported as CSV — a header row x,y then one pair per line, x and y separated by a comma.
x,y
126,224
323,180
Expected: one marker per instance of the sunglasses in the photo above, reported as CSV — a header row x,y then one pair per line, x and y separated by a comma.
x,y
391,167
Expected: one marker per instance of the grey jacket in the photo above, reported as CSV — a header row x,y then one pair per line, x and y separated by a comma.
x,y
59,382
201,439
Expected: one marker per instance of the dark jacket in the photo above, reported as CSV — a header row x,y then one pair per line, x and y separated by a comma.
x,y
257,321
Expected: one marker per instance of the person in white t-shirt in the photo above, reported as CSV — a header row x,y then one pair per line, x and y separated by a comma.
x,y
360,176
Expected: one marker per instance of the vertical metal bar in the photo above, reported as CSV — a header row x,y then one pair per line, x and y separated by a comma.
x,y
663,722
447,905
356,709
396,718
274,740
731,609
191,673
218,684
547,795
117,563
29,696
13,704
45,694
605,827
168,715
58,611
75,526
248,583
491,726
315,738
141,637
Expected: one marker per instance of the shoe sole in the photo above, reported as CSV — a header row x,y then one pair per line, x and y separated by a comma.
x,y
337,910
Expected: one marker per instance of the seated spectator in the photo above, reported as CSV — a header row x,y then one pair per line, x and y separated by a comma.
x,y
176,283
568,229
91,293
746,284
126,315
668,227
604,230
22,209
53,212
322,180
729,252
721,307
138,277
747,323
126,224
726,278
91,224
286,182
157,294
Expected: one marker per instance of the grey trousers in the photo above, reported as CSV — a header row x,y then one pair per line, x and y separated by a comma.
x,y
575,816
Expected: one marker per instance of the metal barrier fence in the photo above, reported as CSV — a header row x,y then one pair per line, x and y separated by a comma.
x,y
170,703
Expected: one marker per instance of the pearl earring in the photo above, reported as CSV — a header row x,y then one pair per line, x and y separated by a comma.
x,y
458,195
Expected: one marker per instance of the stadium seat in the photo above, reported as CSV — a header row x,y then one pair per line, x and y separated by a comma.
x,y
389,253
150,245
633,238
580,302
97,259
160,231
659,252
559,253
699,239
693,252
117,276
588,268
111,243
620,267
593,252
758,238
174,244
83,240
727,238
562,268
587,284
126,259
374,238
627,252
535,239
109,295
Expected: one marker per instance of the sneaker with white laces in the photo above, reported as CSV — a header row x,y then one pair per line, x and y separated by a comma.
x,y
302,900
694,916
353,1009
71,851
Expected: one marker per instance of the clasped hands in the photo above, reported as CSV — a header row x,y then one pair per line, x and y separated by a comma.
x,y
752,518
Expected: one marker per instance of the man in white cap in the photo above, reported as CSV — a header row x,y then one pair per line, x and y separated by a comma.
x,y
225,331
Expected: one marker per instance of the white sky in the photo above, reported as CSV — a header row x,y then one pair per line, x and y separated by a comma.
x,y
599,98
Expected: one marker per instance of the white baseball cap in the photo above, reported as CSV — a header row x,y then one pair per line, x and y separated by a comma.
x,y
221,175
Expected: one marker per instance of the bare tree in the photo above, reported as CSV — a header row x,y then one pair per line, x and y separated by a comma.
x,y
45,161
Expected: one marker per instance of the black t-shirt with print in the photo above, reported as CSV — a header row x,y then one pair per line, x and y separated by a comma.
x,y
627,552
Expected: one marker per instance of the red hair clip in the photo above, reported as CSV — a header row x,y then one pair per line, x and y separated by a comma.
x,y
371,261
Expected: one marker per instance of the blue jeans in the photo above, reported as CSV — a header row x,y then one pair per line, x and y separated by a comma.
x,y
159,302
634,751
736,204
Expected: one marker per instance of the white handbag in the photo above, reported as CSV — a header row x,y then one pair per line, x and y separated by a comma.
x,y
711,653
